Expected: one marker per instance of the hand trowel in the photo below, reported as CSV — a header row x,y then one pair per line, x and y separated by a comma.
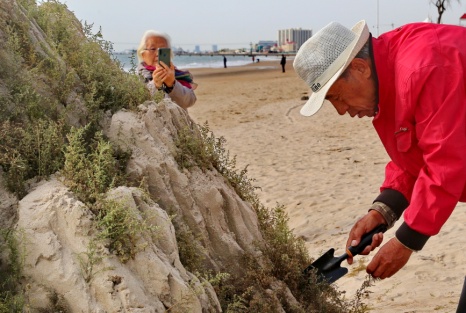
x,y
329,268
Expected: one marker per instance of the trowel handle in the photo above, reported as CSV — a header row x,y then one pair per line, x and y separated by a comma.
x,y
366,240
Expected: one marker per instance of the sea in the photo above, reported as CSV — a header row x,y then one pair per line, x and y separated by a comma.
x,y
186,62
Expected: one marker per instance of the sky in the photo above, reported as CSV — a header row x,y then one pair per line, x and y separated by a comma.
x,y
238,23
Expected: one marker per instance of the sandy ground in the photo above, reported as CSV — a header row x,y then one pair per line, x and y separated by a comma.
x,y
326,170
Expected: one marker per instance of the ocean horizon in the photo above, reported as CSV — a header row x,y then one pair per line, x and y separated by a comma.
x,y
129,60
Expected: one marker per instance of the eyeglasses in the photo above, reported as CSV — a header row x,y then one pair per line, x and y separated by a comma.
x,y
151,50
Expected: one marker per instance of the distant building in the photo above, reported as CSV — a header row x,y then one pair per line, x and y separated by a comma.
x,y
197,49
292,39
214,48
265,45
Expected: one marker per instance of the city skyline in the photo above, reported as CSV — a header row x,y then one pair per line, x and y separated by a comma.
x,y
238,24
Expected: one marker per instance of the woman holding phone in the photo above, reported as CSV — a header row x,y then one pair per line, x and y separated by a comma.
x,y
154,52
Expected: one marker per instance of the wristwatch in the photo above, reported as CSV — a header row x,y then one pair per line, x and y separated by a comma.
x,y
387,213
168,89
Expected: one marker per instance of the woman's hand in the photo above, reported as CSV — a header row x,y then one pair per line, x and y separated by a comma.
x,y
158,76
164,74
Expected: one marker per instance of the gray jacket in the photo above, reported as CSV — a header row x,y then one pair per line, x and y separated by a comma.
x,y
181,95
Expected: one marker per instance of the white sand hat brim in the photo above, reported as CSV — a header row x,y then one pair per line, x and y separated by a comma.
x,y
317,99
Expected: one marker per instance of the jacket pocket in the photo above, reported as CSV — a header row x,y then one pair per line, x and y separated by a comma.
x,y
403,139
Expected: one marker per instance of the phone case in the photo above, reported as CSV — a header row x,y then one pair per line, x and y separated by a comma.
x,y
164,55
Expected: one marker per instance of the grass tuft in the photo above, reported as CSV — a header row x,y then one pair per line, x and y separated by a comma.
x,y
12,295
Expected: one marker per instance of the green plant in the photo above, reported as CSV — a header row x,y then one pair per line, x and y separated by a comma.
x,y
238,304
159,95
12,297
190,251
198,146
69,67
31,151
88,261
133,63
283,248
121,228
105,85
283,260
192,150
90,169
27,97
356,305
196,288
226,165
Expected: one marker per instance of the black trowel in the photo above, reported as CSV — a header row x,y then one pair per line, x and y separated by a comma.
x,y
328,268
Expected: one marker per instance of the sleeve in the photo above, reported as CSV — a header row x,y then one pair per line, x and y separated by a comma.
x,y
394,199
398,179
151,86
183,96
439,100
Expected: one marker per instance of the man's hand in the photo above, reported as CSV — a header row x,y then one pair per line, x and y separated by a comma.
x,y
389,259
366,224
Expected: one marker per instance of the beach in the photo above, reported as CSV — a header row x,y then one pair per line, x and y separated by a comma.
x,y
326,170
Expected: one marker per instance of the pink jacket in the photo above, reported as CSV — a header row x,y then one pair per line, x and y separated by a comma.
x,y
422,122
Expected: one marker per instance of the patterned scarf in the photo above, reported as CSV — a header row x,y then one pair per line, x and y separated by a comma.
x,y
185,78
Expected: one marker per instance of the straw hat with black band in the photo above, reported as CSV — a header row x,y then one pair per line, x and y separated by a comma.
x,y
324,57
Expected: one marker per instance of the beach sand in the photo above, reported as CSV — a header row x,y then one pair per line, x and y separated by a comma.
x,y
326,170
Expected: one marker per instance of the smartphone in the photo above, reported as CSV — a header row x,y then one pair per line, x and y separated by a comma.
x,y
164,55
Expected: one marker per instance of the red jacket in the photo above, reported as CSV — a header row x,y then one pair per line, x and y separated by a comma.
x,y
422,122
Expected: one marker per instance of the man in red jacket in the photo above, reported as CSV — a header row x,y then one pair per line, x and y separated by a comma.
x,y
411,81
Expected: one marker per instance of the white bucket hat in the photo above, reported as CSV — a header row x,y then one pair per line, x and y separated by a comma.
x,y
324,57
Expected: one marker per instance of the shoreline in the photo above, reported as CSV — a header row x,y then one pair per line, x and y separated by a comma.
x,y
262,64
235,70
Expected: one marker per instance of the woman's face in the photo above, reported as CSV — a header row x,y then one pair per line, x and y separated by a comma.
x,y
150,54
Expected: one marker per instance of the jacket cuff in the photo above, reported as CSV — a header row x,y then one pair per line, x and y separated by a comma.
x,y
394,199
411,238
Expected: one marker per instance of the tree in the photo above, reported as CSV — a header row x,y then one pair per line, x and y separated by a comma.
x,y
441,7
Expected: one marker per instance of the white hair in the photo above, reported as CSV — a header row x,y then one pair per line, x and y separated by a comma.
x,y
149,34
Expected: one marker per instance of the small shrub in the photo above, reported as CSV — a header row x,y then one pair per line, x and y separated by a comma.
x,y
192,150
199,147
121,229
70,60
105,85
27,98
12,297
356,305
31,151
91,169
88,260
190,251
